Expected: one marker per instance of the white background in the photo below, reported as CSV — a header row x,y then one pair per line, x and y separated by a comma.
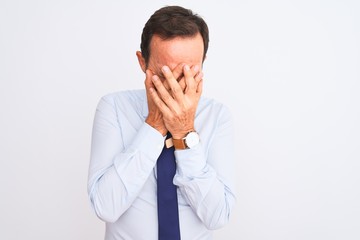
x,y
288,70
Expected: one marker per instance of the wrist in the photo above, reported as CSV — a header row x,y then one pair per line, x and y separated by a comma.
x,y
181,134
158,126
191,139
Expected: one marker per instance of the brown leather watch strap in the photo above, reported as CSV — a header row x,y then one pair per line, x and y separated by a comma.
x,y
179,144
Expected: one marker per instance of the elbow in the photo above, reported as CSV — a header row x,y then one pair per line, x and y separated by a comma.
x,y
106,217
219,218
214,225
106,214
106,208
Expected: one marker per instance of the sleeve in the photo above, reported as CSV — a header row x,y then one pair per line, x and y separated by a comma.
x,y
117,174
206,181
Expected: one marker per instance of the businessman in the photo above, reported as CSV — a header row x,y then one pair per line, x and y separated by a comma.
x,y
162,158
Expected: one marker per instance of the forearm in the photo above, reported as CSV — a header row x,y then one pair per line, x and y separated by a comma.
x,y
115,190
208,195
116,180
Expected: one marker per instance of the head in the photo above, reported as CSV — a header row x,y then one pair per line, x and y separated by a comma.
x,y
171,36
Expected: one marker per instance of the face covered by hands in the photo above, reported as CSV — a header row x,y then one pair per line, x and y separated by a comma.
x,y
177,100
155,118
173,83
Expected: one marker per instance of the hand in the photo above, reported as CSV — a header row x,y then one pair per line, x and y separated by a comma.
x,y
154,118
178,105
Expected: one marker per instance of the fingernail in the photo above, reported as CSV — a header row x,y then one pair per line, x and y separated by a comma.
x,y
155,78
187,68
165,69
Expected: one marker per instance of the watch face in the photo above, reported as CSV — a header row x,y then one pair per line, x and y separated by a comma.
x,y
192,139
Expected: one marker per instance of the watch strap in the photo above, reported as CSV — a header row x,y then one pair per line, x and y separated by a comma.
x,y
179,144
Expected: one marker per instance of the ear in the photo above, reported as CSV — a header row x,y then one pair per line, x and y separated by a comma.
x,y
141,61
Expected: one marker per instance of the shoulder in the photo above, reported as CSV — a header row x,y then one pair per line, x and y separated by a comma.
x,y
123,101
121,96
213,107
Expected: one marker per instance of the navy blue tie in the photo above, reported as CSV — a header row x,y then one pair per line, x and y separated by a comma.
x,y
168,214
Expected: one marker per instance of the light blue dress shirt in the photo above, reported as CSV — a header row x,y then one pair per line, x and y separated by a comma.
x,y
122,172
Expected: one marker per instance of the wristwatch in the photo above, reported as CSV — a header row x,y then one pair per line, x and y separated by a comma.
x,y
189,141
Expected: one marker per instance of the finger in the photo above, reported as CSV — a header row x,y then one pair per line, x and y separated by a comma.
x,y
162,92
195,72
158,101
199,77
173,84
178,71
182,84
189,77
178,75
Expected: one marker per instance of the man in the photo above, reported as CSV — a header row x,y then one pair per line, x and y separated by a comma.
x,y
134,133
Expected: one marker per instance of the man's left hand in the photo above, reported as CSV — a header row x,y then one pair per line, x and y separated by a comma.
x,y
178,106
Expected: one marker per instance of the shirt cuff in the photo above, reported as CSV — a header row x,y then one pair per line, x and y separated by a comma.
x,y
190,162
148,141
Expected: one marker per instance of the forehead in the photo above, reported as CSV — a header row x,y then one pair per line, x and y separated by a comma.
x,y
172,52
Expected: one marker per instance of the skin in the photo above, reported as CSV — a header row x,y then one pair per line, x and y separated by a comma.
x,y
173,83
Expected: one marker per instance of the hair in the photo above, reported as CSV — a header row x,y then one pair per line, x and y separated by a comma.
x,y
170,22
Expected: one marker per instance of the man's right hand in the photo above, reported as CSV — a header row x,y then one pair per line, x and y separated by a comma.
x,y
154,118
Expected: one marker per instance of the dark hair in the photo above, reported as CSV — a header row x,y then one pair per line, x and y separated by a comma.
x,y
170,22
